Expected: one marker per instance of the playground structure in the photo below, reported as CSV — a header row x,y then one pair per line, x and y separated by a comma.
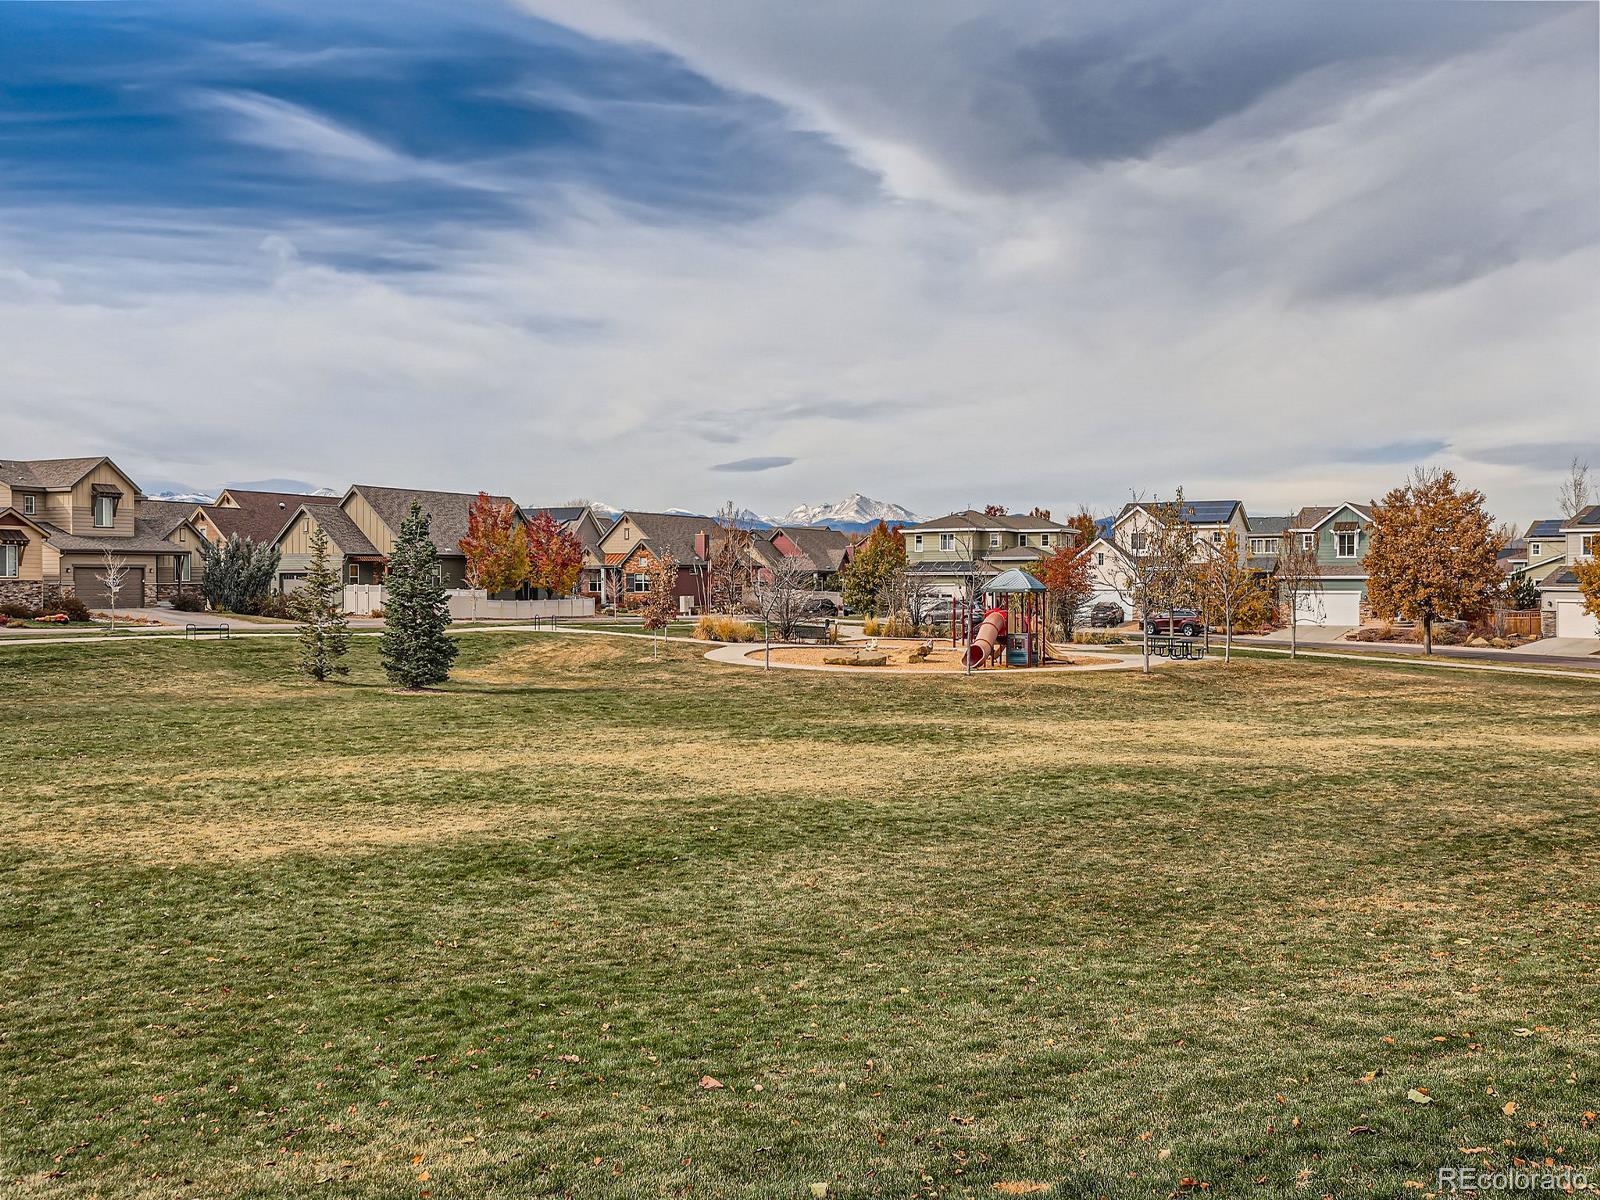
x,y
1011,631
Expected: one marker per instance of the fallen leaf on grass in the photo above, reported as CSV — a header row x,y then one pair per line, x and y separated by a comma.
x,y
1362,1129
708,1083
1419,1096
1022,1187
1509,1107
1473,1149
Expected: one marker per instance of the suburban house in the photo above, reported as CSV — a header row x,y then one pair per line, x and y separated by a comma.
x,y
363,526
631,546
580,521
820,552
1544,550
1266,540
949,550
259,516
1559,598
82,525
1340,534
1210,521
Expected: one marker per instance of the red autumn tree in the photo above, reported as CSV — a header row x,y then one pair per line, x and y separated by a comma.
x,y
994,510
1068,582
496,556
554,555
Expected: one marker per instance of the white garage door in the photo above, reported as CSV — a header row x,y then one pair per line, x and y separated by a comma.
x,y
1572,621
1328,608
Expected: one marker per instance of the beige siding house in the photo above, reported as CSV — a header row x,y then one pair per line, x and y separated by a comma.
x,y
81,525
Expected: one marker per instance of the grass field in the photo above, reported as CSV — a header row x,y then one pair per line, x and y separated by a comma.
x,y
1198,933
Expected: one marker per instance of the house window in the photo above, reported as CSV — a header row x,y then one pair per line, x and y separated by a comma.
x,y
1044,540
1344,543
180,568
305,526
1099,558
1216,537
1308,541
627,533
1590,541
638,583
916,542
355,573
8,561
1263,546
105,512
30,505
1535,549
994,541
438,572
1022,539
947,541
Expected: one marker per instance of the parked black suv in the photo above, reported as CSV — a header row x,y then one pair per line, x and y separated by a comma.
x,y
1106,614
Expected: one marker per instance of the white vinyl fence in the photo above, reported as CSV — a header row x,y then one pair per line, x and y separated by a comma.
x,y
363,598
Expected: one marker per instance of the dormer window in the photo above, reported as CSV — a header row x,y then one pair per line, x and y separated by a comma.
x,y
105,512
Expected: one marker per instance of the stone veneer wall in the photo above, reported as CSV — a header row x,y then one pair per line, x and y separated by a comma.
x,y
32,592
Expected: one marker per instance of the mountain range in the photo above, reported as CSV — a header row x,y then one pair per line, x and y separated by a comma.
x,y
854,514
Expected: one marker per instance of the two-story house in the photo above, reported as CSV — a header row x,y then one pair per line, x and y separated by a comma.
x,y
1559,598
1340,534
81,525
950,550
1210,522
630,549
1544,550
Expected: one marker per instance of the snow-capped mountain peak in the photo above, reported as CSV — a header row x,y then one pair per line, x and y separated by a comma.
x,y
854,509
182,497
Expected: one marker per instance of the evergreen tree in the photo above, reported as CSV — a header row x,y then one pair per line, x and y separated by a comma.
x,y
872,569
319,607
416,650
238,574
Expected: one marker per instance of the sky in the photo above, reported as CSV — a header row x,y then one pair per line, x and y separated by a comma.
x,y
943,252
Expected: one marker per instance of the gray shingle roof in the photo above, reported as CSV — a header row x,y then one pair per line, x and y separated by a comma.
x,y
1268,526
672,533
448,512
159,518
1313,515
973,519
1589,516
142,542
260,516
344,533
823,546
46,472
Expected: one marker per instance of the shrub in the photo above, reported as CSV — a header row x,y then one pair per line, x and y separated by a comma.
x,y
1095,637
273,604
376,614
726,629
188,602
872,627
18,612
75,609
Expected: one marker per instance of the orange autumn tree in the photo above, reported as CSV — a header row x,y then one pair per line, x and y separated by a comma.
x,y
497,559
1068,582
1588,573
1434,553
1084,526
554,555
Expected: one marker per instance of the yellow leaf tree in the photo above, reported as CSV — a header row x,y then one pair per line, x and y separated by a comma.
x,y
1588,573
1433,553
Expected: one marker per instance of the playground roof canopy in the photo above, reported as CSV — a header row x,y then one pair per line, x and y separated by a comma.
x,y
1014,581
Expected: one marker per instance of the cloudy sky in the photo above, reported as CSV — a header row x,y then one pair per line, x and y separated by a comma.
x,y
668,252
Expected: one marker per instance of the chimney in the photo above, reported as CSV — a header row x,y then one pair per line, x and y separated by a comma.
x,y
702,545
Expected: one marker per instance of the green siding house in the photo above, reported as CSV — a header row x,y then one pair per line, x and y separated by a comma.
x,y
1341,535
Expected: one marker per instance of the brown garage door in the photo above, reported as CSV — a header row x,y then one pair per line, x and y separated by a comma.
x,y
90,587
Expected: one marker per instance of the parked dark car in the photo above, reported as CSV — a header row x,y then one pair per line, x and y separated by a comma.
x,y
1106,614
1184,622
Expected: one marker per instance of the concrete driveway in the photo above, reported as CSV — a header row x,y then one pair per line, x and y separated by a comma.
x,y
1567,647
1306,635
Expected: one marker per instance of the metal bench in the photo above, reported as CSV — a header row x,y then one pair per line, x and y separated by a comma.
x,y
193,631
